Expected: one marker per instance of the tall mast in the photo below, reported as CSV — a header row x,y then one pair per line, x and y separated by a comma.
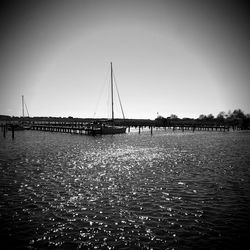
x,y
112,98
23,105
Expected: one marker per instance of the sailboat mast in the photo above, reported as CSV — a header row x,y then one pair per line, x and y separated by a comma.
x,y
112,97
23,105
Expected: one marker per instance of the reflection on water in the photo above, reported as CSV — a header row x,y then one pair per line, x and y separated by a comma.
x,y
169,191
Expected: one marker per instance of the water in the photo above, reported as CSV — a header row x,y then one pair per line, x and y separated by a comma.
x,y
172,190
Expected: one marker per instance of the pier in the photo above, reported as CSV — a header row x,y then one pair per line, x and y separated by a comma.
x,y
86,129
95,127
91,126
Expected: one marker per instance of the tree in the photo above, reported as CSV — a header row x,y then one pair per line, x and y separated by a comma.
x,y
238,114
172,116
202,117
221,116
229,114
159,117
210,117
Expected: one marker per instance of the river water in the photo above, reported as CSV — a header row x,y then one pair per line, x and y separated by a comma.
x,y
172,190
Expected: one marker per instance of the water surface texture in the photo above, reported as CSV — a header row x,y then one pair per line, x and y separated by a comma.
x,y
172,190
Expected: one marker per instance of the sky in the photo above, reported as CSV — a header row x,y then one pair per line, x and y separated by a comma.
x,y
169,57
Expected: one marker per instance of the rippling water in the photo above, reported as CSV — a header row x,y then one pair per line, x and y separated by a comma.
x,y
172,190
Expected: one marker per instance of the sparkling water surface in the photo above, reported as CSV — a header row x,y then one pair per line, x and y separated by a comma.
x,y
172,190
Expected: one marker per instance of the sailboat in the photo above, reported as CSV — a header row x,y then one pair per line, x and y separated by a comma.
x,y
109,127
24,125
21,125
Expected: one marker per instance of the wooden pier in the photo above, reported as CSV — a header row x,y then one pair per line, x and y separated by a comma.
x,y
93,128
72,128
185,127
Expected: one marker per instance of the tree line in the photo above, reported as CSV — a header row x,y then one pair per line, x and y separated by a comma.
x,y
235,119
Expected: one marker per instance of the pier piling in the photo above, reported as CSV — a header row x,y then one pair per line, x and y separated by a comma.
x,y
4,131
13,132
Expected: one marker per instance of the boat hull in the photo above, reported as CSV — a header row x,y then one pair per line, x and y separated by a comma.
x,y
111,130
105,130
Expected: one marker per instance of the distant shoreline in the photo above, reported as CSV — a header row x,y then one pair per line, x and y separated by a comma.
x,y
234,121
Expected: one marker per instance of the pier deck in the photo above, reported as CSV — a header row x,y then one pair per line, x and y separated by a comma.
x,y
83,128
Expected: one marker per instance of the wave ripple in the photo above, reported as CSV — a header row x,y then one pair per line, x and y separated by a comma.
x,y
169,191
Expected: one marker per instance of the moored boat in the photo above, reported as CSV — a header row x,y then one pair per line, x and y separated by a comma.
x,y
109,127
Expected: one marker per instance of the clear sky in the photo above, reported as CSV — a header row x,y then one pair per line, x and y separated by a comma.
x,y
170,57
